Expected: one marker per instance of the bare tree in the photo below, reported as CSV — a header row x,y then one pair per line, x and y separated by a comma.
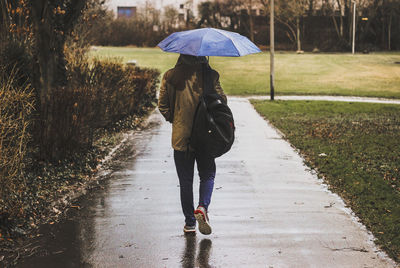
x,y
170,16
231,10
289,13
52,22
210,14
234,14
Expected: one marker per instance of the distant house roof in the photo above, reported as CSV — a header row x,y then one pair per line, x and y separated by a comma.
x,y
180,5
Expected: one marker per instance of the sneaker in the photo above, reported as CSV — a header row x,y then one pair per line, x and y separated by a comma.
x,y
189,229
202,218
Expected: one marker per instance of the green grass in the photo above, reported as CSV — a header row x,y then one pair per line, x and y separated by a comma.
x,y
372,75
362,162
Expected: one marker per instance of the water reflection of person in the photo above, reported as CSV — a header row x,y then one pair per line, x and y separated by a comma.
x,y
204,253
189,252
189,259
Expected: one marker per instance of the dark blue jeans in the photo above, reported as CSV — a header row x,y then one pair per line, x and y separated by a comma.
x,y
184,164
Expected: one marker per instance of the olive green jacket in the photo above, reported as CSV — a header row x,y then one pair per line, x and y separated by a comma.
x,y
180,91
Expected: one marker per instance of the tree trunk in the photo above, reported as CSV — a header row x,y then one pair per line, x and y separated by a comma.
x,y
341,17
390,30
187,18
349,18
298,33
310,7
251,22
50,40
4,14
383,34
46,64
341,26
336,26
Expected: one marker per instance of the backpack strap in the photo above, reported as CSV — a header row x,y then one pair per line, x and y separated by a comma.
x,y
206,90
191,132
203,73
207,83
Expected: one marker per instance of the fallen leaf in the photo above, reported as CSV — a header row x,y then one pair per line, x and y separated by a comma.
x,y
56,210
330,205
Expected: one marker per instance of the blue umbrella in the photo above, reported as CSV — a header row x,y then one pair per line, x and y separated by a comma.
x,y
208,42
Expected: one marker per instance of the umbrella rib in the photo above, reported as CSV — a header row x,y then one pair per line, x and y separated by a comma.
x,y
234,43
201,44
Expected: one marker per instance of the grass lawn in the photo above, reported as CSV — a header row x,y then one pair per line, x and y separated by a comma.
x,y
356,148
374,75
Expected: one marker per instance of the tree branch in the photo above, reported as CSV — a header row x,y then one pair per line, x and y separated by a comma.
x,y
290,27
73,11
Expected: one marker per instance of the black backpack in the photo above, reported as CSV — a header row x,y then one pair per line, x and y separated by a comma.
x,y
213,130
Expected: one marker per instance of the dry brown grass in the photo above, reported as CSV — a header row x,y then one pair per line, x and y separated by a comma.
x,y
16,106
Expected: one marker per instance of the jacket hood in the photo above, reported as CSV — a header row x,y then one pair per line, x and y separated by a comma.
x,y
185,68
190,60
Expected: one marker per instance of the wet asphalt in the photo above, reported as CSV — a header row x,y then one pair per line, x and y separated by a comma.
x,y
267,210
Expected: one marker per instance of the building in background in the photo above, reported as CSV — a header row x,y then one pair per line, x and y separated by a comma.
x,y
130,8
126,11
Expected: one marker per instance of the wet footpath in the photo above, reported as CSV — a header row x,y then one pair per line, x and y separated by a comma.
x,y
268,210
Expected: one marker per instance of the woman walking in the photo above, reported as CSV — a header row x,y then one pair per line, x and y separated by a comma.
x,y
180,93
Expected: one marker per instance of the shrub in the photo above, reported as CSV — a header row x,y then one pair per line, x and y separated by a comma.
x,y
16,106
99,94
16,61
94,96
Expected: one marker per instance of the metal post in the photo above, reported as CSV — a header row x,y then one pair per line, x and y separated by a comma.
x,y
354,28
272,50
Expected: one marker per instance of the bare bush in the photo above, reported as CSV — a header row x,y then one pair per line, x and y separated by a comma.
x,y
16,106
98,94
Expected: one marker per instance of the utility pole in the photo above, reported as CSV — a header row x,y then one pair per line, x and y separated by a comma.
x,y
354,28
272,50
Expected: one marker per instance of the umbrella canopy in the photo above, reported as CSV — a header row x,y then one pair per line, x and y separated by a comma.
x,y
208,42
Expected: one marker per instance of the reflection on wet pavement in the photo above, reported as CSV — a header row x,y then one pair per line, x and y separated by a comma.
x,y
189,259
204,253
189,254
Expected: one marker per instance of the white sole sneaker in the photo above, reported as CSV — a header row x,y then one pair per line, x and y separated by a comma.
x,y
189,229
204,225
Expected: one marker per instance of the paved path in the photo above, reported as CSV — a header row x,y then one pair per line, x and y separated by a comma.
x,y
267,210
331,98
